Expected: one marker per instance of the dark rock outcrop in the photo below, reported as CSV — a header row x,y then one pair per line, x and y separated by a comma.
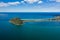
x,y
16,21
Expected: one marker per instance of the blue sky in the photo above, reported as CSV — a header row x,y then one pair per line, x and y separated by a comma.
x,y
29,5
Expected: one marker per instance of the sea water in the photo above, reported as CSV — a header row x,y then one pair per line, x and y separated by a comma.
x,y
29,30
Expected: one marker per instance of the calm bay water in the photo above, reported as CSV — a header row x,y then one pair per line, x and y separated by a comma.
x,y
29,30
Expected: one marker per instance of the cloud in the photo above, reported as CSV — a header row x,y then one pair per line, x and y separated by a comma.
x,y
22,2
31,1
39,2
14,3
57,0
3,4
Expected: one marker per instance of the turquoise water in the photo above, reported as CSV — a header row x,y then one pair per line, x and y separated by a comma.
x,y
29,30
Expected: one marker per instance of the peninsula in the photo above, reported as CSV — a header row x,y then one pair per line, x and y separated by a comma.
x,y
18,21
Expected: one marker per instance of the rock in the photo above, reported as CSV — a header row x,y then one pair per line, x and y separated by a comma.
x,y
57,18
16,21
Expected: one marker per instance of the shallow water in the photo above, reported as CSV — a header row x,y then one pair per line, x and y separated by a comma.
x,y
29,30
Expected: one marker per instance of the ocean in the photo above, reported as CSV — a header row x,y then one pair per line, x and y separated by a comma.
x,y
29,30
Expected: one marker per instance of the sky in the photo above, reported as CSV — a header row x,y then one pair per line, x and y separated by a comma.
x,y
29,5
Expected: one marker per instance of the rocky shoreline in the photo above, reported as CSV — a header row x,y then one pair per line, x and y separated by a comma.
x,y
18,21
